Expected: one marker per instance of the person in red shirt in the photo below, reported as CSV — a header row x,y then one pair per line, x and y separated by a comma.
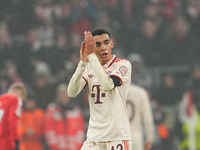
x,y
64,124
10,110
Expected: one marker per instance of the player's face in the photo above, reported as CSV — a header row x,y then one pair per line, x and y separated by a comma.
x,y
104,47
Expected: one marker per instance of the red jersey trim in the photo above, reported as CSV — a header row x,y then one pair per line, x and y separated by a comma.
x,y
85,79
112,62
126,146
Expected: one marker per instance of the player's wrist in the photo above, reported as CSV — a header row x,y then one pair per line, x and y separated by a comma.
x,y
89,52
82,63
91,56
84,59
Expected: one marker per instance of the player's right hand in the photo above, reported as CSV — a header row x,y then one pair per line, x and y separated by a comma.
x,y
83,52
90,42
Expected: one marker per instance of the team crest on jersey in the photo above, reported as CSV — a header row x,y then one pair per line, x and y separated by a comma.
x,y
109,72
122,70
90,75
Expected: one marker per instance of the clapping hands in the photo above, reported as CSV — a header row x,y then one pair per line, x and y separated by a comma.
x,y
88,46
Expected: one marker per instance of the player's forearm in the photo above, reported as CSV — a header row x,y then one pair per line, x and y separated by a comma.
x,y
150,133
105,80
76,83
148,118
149,126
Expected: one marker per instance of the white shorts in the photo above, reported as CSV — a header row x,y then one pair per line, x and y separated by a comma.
x,y
110,145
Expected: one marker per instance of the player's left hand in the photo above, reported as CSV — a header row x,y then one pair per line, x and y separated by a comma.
x,y
83,52
90,43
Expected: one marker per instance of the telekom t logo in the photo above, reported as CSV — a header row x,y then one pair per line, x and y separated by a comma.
x,y
97,94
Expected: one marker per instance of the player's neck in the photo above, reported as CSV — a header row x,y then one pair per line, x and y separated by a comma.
x,y
103,62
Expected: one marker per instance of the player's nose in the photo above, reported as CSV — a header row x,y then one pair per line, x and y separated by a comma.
x,y
103,47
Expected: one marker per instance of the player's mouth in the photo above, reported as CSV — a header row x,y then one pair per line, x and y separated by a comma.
x,y
104,55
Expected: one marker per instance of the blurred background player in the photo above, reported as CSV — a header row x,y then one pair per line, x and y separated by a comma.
x,y
31,126
107,78
141,118
64,123
10,110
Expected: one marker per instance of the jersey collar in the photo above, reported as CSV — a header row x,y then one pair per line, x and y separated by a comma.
x,y
108,64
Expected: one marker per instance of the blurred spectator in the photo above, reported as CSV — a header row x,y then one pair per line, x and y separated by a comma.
x,y
189,122
141,75
44,12
70,65
24,48
40,67
168,95
149,42
192,12
82,16
46,35
182,41
44,89
162,135
12,72
169,8
193,81
64,129
59,53
31,126
32,41
76,40
5,45
4,84
103,20
152,10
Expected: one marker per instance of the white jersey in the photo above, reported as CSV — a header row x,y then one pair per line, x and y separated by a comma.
x,y
108,114
140,115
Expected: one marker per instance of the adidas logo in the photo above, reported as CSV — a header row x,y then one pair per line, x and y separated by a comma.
x,y
90,75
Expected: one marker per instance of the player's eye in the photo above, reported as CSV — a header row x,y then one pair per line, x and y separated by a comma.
x,y
106,42
98,44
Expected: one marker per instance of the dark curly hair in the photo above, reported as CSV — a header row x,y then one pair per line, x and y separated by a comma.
x,y
99,31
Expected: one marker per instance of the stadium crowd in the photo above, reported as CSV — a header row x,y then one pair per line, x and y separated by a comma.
x,y
40,42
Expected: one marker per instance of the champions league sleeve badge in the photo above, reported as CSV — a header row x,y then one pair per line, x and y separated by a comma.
x,y
122,70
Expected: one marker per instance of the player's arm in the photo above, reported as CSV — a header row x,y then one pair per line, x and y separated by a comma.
x,y
107,82
77,83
